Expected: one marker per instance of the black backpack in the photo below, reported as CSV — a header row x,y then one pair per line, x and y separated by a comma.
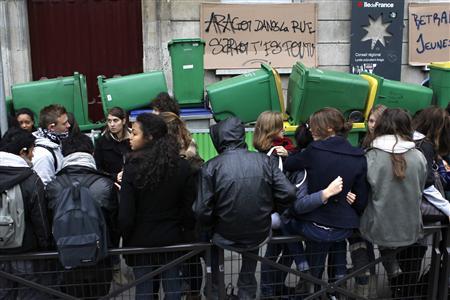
x,y
79,228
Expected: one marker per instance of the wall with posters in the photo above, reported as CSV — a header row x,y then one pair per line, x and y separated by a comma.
x,y
180,18
164,20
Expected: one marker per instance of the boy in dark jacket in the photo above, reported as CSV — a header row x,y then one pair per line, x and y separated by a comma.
x,y
16,152
238,189
78,163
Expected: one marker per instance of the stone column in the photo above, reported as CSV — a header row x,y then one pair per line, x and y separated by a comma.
x,y
15,43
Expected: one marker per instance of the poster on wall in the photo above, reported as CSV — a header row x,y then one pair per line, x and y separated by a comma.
x,y
376,37
240,36
429,33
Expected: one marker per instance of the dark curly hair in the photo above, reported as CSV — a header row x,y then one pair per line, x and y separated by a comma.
x,y
158,159
16,140
164,103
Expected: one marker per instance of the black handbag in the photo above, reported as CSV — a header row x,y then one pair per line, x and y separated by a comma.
x,y
429,212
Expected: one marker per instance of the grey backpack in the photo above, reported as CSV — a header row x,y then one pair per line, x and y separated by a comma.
x,y
12,218
79,228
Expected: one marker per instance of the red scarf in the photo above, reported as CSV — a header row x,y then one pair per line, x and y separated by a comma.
x,y
285,142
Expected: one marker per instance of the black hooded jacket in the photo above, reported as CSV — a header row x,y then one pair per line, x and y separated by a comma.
x,y
14,170
238,189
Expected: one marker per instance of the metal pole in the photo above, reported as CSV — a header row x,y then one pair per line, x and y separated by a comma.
x,y
3,116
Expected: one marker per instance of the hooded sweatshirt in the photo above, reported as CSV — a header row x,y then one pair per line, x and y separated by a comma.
x,y
43,160
15,170
393,217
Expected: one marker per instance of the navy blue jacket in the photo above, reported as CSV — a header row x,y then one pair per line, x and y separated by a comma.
x,y
325,160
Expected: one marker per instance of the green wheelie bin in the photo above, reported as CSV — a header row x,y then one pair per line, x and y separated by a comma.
x,y
440,82
70,92
131,91
396,94
311,89
188,74
247,95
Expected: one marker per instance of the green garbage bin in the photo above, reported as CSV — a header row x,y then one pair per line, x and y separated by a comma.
x,y
440,82
131,91
396,94
9,106
247,95
186,56
69,92
205,146
311,89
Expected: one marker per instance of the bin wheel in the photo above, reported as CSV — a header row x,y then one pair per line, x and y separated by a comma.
x,y
356,116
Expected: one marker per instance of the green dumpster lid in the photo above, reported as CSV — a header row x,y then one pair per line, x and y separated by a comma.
x,y
180,41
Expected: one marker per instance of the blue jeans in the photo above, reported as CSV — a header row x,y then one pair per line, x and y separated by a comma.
x,y
171,282
296,249
319,242
272,280
25,269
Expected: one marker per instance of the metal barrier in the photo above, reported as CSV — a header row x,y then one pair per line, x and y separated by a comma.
x,y
186,271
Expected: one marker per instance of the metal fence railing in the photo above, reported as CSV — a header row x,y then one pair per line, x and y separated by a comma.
x,y
205,271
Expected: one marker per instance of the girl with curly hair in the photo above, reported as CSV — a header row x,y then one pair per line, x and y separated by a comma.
x,y
156,198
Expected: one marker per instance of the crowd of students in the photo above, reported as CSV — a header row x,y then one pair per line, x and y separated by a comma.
x,y
155,190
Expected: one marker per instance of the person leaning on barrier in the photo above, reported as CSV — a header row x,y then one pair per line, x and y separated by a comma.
x,y
396,172
269,139
154,204
236,193
192,269
78,165
16,152
330,158
53,128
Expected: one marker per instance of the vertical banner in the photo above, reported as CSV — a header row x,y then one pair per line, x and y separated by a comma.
x,y
376,37
246,35
429,33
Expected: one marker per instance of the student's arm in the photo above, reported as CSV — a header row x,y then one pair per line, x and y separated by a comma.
x,y
188,198
112,214
39,218
127,205
283,191
297,161
98,155
203,206
429,153
361,190
43,164
308,202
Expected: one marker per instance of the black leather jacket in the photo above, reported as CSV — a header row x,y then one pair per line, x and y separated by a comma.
x,y
238,190
102,190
